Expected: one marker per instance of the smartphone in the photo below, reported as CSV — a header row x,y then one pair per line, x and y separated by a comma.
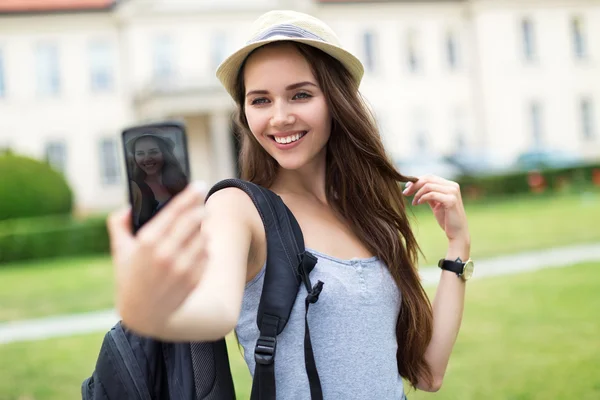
x,y
158,167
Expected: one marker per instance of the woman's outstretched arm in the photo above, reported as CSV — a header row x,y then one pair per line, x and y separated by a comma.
x,y
213,307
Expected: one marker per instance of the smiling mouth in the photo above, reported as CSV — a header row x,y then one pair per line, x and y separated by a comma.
x,y
289,139
150,165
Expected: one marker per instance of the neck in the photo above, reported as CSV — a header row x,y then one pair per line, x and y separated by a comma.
x,y
154,178
307,181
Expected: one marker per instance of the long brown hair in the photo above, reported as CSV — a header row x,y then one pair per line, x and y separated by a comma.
x,y
363,185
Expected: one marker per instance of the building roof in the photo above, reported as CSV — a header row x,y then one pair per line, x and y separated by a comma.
x,y
53,6
380,1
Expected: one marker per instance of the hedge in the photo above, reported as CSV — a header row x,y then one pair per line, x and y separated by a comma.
x,y
54,236
535,181
31,188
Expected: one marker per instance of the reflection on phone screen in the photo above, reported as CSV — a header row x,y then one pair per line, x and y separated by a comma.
x,y
157,168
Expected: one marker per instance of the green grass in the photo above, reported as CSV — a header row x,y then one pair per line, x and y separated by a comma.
x,y
36,289
54,369
517,225
85,284
528,337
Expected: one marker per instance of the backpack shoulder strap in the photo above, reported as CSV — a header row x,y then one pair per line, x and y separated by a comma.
x,y
288,266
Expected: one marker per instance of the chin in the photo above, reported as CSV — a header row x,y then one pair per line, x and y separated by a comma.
x,y
291,163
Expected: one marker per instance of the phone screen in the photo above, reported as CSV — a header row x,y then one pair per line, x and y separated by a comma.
x,y
156,159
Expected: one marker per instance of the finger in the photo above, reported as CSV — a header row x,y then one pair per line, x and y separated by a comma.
x,y
413,188
188,225
159,225
119,228
447,200
191,260
186,269
432,187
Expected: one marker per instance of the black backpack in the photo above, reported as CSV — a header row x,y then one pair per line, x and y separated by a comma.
x,y
132,367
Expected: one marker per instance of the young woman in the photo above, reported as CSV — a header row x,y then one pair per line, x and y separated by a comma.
x,y
157,175
195,273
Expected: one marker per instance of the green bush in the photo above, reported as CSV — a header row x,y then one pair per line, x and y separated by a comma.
x,y
514,183
49,237
31,188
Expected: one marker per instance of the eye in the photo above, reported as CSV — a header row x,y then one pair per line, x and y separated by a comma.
x,y
258,101
302,95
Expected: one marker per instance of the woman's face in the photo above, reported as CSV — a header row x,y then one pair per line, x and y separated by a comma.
x,y
148,156
286,110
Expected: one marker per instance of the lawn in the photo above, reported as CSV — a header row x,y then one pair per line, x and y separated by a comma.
x,y
521,224
530,336
84,284
36,289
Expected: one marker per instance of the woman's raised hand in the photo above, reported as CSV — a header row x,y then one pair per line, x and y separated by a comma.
x,y
445,200
157,269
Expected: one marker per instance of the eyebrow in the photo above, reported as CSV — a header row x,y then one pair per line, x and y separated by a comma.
x,y
290,87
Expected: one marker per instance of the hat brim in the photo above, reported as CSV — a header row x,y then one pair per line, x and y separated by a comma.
x,y
131,143
228,71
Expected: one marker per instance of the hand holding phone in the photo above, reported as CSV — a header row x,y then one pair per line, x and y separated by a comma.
x,y
158,268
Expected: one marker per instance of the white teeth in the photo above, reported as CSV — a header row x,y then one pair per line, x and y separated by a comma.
x,y
289,139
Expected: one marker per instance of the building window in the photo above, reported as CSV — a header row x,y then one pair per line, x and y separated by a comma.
x,y
421,142
5,146
413,59
56,155
218,49
460,134
163,58
47,69
528,39
536,121
369,50
420,132
101,66
451,50
579,44
586,114
2,81
109,162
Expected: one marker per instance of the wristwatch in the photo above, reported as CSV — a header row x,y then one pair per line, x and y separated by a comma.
x,y
463,269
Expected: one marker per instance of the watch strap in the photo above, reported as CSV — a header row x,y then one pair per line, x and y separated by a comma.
x,y
456,266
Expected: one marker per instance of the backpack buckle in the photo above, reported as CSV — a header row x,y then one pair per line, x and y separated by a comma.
x,y
264,353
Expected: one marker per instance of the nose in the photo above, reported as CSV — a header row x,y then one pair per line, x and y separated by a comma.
x,y
282,115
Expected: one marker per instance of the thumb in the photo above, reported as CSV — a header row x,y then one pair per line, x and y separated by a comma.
x,y
119,229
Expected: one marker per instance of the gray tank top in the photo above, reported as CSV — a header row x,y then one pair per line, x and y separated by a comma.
x,y
352,329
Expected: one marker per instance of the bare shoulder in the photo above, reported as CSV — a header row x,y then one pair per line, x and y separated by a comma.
x,y
231,201
234,207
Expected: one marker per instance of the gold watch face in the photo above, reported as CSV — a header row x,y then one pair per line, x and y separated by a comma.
x,y
468,270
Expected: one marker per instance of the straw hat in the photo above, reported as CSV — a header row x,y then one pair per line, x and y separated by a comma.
x,y
169,144
292,26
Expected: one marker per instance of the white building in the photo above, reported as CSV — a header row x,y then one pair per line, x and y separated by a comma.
x,y
442,76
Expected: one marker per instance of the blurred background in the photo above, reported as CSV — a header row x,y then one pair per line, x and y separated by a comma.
x,y
502,96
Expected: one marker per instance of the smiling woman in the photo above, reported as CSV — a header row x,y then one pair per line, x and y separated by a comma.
x,y
157,175
308,137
